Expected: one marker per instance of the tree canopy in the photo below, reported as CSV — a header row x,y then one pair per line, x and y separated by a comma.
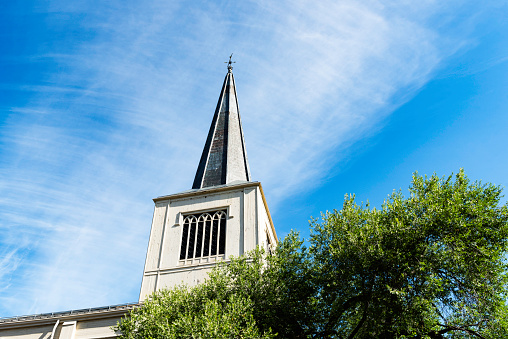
x,y
431,265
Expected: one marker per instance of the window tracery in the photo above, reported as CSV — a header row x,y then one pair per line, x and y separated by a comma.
x,y
203,235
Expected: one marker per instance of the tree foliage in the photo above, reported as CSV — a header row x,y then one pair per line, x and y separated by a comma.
x,y
206,311
432,265
429,265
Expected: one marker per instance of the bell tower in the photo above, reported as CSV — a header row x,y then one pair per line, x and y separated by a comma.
x,y
224,214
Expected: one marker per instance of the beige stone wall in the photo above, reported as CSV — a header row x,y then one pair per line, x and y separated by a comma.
x,y
74,327
248,224
35,332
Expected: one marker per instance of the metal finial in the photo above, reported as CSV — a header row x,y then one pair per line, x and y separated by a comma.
x,y
230,63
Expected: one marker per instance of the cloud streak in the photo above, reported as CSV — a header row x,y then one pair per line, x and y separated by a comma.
x,y
120,115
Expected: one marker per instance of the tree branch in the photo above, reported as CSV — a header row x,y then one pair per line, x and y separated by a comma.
x,y
360,323
334,317
449,328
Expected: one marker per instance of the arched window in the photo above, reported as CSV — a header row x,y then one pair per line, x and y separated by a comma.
x,y
203,235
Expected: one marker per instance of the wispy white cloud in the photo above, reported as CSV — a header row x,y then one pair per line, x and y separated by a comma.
x,y
123,115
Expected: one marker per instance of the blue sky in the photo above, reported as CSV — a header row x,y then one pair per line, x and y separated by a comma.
x,y
106,105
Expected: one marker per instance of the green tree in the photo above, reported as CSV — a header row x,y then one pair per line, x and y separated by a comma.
x,y
205,311
254,296
432,265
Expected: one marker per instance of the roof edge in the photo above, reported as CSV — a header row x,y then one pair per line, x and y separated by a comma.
x,y
81,314
210,189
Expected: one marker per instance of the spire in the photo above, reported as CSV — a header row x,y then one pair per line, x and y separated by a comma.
x,y
224,157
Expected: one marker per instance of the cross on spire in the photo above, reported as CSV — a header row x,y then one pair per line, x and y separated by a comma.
x,y
230,63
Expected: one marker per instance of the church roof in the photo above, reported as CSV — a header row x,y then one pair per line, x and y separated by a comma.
x,y
85,313
224,158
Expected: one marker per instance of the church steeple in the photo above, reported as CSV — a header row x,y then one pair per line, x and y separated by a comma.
x,y
224,158
224,215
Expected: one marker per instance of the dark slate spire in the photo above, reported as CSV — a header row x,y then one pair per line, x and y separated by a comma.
x,y
224,157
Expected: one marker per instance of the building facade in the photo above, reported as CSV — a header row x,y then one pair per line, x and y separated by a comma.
x,y
224,214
